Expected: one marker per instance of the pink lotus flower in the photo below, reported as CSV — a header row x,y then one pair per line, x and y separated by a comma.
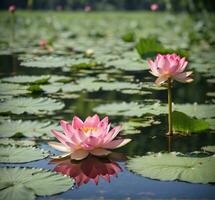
x,y
87,8
89,137
154,7
88,169
43,43
169,66
12,8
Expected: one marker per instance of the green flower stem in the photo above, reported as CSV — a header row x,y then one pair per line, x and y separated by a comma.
x,y
170,132
12,27
169,143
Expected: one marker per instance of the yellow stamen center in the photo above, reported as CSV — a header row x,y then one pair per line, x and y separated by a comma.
x,y
86,129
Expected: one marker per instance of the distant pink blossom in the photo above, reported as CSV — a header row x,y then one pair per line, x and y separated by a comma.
x,y
12,8
93,136
169,66
154,7
43,43
59,7
87,8
91,168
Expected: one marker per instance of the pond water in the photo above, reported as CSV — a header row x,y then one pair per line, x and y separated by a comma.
x,y
86,99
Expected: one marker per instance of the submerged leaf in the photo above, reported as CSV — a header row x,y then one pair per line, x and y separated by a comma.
x,y
19,183
170,167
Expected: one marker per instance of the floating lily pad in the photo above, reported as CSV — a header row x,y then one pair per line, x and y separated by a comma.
x,y
149,47
36,79
92,84
9,128
210,94
184,125
83,63
13,89
17,183
59,78
155,108
11,142
153,86
30,105
104,58
12,154
211,122
135,91
52,88
211,80
196,110
170,167
131,109
47,61
133,126
128,37
128,65
48,88
209,149
27,79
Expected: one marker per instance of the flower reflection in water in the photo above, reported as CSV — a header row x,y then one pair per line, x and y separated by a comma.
x,y
91,168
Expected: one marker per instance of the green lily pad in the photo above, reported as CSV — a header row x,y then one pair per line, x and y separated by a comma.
x,y
9,128
59,78
209,149
170,167
211,122
27,79
30,105
211,80
83,63
128,37
131,109
131,126
149,47
52,88
47,61
12,154
184,125
135,91
155,108
210,94
153,86
16,183
92,84
11,142
36,79
128,65
196,110
11,89
56,62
